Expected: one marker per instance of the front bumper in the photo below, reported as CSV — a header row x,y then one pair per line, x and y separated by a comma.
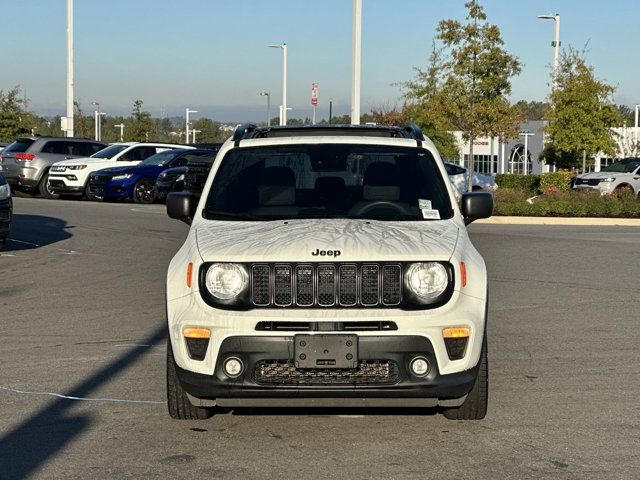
x,y
603,187
122,190
163,188
61,184
400,350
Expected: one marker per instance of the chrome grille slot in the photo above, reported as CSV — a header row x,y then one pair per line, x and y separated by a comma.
x,y
260,295
348,285
309,285
283,291
304,285
391,284
370,285
326,285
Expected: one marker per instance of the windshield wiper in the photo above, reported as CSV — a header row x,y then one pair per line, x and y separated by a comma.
x,y
218,215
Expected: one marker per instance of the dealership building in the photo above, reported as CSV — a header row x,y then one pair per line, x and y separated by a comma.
x,y
492,156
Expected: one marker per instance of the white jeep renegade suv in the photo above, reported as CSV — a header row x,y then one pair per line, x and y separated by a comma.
x,y
328,266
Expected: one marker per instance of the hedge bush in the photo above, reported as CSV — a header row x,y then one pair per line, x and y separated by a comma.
x,y
555,182
524,183
567,204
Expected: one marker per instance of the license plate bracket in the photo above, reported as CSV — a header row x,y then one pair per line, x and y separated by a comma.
x,y
320,351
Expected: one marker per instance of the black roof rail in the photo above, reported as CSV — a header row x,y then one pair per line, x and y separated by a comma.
x,y
414,131
241,131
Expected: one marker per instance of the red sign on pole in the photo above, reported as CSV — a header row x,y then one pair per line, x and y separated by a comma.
x,y
314,94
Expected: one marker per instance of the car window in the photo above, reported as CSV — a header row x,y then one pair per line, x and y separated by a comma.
x,y
621,167
197,157
328,181
109,152
138,154
82,149
19,146
95,148
58,147
449,168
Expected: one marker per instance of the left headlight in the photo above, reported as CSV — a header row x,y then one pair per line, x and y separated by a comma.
x,y
608,179
77,167
428,281
122,177
225,281
5,191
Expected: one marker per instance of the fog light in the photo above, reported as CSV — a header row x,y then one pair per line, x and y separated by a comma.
x,y
419,366
233,367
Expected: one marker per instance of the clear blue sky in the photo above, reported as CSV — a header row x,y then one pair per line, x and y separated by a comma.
x,y
211,54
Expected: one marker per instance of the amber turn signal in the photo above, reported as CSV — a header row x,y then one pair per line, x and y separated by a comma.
x,y
456,332
189,274
463,274
197,333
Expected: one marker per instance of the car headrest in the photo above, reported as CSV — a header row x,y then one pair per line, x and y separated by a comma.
x,y
380,182
277,187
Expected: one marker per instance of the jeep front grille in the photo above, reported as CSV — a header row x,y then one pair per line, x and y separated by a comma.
x,y
326,285
284,372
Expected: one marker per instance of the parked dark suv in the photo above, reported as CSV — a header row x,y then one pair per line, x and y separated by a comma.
x,y
198,169
25,163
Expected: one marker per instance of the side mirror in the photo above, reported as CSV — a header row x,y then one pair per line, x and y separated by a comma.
x,y
476,205
182,206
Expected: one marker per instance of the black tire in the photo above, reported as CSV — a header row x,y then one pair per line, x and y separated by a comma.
x,y
43,188
144,191
91,196
475,405
178,403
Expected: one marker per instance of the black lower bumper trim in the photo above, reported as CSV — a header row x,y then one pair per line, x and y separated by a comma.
x,y
252,350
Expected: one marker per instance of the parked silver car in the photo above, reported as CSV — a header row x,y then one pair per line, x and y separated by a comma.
x,y
458,177
25,163
618,175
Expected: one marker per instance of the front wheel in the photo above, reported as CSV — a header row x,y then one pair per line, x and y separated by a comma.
x,y
177,401
45,190
92,196
475,405
144,191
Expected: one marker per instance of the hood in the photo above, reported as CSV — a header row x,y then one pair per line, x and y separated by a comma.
x,y
77,161
115,170
602,175
304,240
147,169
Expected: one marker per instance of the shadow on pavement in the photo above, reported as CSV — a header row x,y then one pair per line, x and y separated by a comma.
x,y
333,411
40,437
35,231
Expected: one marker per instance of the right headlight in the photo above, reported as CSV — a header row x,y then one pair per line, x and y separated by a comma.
x,y
5,191
608,179
427,281
225,281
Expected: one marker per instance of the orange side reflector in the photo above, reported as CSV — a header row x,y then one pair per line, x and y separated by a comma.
x,y
463,274
197,333
189,274
456,332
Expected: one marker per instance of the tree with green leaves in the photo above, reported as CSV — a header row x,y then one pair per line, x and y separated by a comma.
x,y
581,116
140,126
470,79
14,119
532,110
210,130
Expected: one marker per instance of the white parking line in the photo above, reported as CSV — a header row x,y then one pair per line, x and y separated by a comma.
x,y
67,397
22,241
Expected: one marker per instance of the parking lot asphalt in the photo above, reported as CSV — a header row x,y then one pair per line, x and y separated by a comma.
x,y
82,316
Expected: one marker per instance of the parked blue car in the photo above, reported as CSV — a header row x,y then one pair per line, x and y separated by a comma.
x,y
138,182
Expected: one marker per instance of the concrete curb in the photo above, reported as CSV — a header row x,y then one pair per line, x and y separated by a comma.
x,y
578,221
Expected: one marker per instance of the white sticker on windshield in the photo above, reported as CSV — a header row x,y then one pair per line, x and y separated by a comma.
x,y
429,214
424,204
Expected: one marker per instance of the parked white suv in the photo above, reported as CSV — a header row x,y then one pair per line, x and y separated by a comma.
x,y
618,175
327,266
71,176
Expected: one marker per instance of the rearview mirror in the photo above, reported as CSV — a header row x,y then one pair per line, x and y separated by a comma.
x,y
476,205
181,206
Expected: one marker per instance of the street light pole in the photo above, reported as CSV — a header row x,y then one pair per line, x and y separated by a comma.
x,y
96,114
69,120
526,136
95,125
283,116
268,95
555,44
193,133
186,127
357,57
121,127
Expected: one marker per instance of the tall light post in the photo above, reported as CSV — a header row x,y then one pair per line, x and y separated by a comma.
x,y
268,95
193,135
635,124
283,115
121,127
68,123
356,66
526,136
97,120
555,44
186,126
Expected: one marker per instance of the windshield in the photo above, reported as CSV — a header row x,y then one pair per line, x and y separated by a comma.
x,y
109,152
328,181
622,167
18,146
162,158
